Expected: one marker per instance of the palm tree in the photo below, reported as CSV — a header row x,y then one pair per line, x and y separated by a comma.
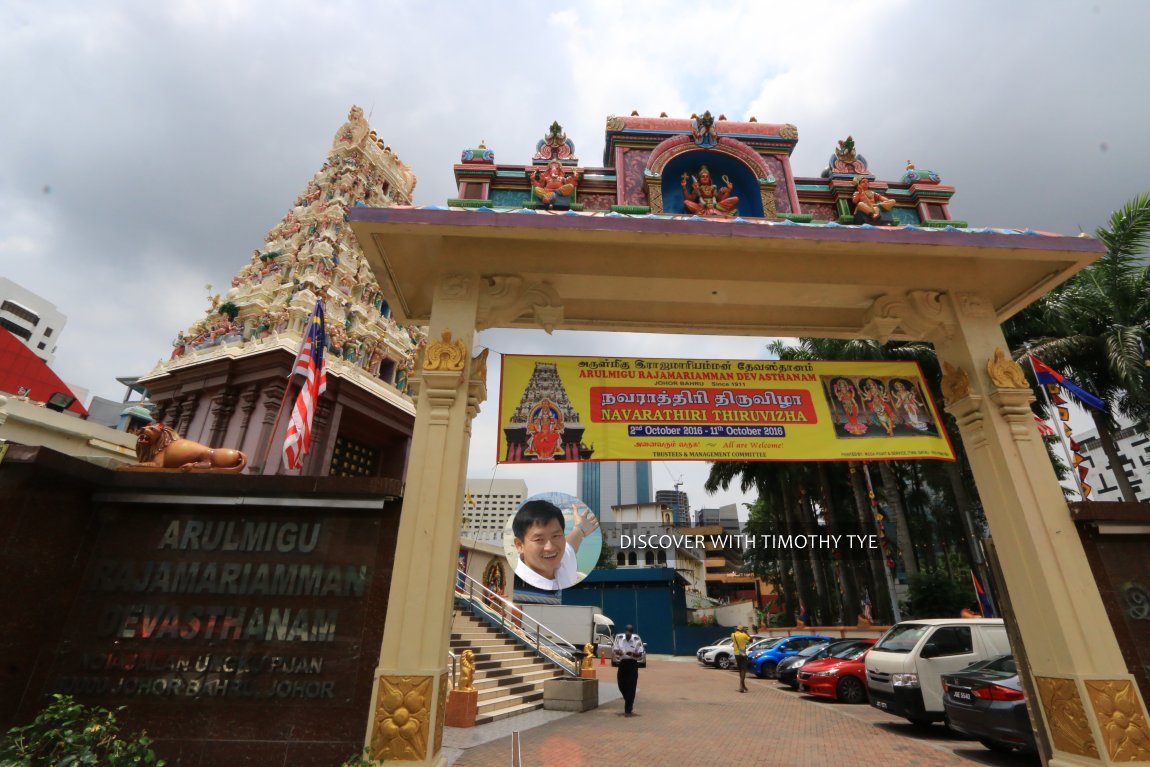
x,y
1094,328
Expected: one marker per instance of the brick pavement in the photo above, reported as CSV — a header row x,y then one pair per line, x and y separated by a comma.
x,y
690,715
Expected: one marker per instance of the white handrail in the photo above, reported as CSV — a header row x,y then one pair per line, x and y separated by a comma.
x,y
511,618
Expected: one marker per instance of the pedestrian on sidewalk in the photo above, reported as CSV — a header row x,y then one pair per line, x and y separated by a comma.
x,y
739,641
629,651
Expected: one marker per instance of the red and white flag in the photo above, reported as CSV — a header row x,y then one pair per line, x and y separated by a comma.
x,y
309,363
1043,427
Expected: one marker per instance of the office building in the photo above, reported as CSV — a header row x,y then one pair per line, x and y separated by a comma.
x,y
30,318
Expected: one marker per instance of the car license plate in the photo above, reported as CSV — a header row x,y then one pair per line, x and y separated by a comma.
x,y
962,695
880,704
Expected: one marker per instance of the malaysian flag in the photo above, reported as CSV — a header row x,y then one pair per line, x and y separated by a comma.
x,y
308,363
1047,375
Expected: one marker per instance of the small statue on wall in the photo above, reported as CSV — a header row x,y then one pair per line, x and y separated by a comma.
x,y
588,656
160,447
552,187
870,206
704,198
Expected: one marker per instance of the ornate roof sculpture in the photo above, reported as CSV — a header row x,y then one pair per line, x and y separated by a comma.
x,y
699,167
311,253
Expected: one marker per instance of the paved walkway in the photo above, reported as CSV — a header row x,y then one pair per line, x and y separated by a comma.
x,y
689,715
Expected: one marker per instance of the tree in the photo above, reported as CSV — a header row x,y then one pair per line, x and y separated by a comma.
x,y
1094,328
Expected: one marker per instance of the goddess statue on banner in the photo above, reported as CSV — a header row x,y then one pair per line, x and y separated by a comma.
x,y
845,393
878,403
544,431
906,399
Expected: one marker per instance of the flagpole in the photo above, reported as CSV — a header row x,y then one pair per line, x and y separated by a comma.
x,y
1061,431
287,390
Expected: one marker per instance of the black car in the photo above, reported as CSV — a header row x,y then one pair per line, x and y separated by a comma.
x,y
788,669
987,703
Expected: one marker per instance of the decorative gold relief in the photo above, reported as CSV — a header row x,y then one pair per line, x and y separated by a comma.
x,y
616,123
445,354
1066,716
402,719
655,194
440,713
955,383
1004,372
1121,719
789,131
768,194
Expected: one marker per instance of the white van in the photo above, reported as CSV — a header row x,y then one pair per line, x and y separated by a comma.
x,y
904,667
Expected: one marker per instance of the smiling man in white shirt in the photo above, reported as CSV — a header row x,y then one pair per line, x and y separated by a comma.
x,y
547,557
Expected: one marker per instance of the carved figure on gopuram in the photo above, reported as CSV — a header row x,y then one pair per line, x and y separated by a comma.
x,y
554,187
846,160
555,146
870,206
703,130
703,197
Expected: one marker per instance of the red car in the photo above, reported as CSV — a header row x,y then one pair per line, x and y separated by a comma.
x,y
840,676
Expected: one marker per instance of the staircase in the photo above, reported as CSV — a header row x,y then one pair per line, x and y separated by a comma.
x,y
508,677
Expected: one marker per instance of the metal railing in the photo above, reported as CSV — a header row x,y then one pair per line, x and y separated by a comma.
x,y
508,617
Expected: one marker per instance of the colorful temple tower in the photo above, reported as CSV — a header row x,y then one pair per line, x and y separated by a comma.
x,y
226,378
703,166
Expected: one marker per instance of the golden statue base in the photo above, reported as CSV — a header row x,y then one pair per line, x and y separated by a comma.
x,y
588,673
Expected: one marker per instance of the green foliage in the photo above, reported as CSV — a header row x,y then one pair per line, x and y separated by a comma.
x,y
362,760
230,309
934,595
607,559
69,734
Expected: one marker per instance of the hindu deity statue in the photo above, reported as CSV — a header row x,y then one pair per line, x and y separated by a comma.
x,y
544,431
844,391
553,187
704,198
905,399
868,202
878,403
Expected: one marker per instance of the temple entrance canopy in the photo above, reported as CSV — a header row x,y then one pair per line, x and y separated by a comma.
x,y
463,269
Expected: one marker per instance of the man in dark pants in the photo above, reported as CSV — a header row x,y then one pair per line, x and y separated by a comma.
x,y
629,651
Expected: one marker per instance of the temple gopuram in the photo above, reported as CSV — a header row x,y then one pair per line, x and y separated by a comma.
x,y
225,380
707,167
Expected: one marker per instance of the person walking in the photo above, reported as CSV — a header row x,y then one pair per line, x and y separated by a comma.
x,y
739,640
629,651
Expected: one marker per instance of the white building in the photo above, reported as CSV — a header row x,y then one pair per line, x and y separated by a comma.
x,y
30,318
1133,447
488,504
653,540
603,484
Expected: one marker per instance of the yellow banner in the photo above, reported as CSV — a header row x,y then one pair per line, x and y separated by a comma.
x,y
619,409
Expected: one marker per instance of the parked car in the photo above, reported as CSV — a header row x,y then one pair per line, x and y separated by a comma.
x,y
839,676
765,660
905,668
722,654
788,669
988,704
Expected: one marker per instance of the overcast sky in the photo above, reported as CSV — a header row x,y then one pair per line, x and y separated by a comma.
x,y
146,148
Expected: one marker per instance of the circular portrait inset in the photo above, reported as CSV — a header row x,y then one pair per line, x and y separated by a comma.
x,y
552,541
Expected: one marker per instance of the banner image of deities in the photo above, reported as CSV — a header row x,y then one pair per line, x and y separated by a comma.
x,y
618,409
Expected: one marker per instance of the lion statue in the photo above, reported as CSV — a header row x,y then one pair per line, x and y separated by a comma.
x,y
160,447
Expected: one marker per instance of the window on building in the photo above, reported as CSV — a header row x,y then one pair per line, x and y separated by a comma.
x,y
47,332
15,329
16,310
41,345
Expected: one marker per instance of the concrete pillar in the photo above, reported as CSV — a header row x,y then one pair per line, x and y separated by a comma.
x,y
411,684
1091,707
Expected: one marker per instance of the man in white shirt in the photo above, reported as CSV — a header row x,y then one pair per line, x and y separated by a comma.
x,y
629,651
547,558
